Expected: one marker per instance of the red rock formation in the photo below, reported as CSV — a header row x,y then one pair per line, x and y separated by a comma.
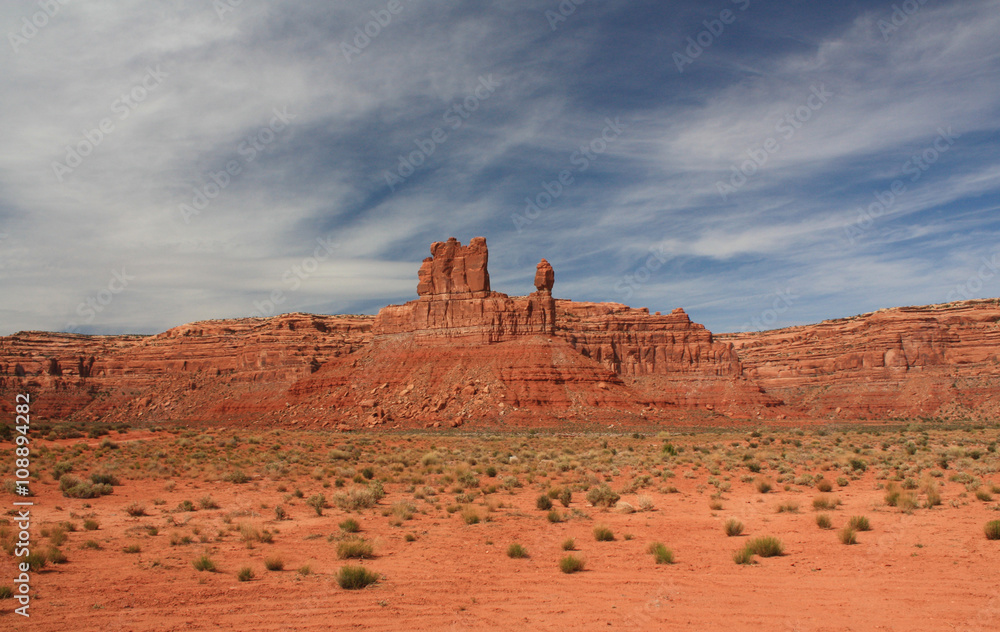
x,y
456,305
453,269
936,360
462,354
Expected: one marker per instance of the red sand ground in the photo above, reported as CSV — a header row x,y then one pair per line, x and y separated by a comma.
x,y
929,570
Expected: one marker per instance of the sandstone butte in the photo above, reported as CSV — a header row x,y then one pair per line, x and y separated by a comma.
x,y
463,354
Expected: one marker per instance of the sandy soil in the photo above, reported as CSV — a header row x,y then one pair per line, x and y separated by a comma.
x,y
931,569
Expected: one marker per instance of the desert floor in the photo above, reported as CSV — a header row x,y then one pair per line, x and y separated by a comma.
x,y
445,508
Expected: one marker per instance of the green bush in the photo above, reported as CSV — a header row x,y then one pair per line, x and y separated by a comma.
x,y
847,535
355,577
204,563
603,534
743,556
602,496
823,521
992,530
859,523
568,544
571,564
733,527
274,564
317,502
350,526
245,574
355,548
661,553
544,503
766,546
516,551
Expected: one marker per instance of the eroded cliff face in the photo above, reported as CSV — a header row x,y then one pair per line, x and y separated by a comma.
x,y
936,360
462,353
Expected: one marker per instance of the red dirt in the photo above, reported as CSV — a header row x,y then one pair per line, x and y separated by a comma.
x,y
930,570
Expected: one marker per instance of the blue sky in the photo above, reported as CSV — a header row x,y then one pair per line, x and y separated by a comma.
x,y
760,164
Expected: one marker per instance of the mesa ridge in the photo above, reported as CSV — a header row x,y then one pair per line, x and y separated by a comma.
x,y
462,353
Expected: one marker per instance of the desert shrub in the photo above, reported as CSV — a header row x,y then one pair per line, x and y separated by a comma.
x,y
274,564
185,505
788,507
847,535
843,481
715,505
907,502
571,564
103,479
350,526
823,521
858,465
410,537
766,546
317,502
554,516
304,570
92,544
568,544
133,548
733,527
602,496
35,560
237,476
516,551
403,510
992,530
824,485
56,556
280,513
204,563
603,534
91,525
207,502
859,523
892,494
823,502
623,507
984,495
544,503
933,495
6,592
355,548
355,577
73,487
565,497
645,503
135,509
743,556
470,515
763,485
245,574
661,553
